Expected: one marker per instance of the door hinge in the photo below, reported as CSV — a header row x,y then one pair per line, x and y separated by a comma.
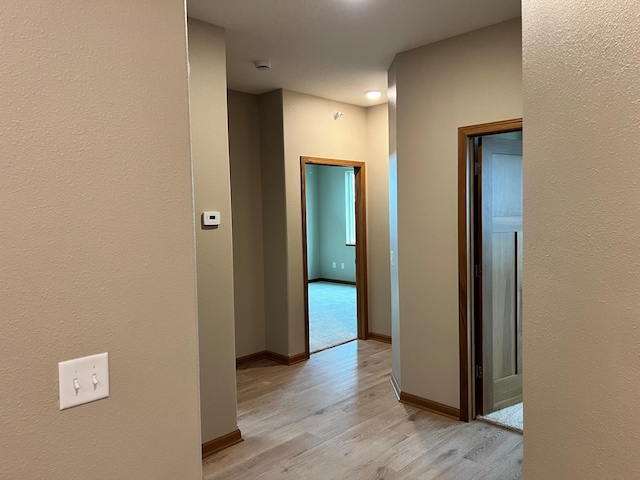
x,y
478,371
476,168
477,270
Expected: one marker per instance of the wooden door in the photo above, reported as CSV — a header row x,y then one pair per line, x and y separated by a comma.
x,y
501,271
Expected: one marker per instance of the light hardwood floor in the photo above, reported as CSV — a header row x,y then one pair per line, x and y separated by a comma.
x,y
336,417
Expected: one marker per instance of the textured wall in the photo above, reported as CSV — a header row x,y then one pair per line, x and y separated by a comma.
x,y
378,219
96,228
465,80
313,232
396,358
274,222
333,226
210,150
246,203
581,88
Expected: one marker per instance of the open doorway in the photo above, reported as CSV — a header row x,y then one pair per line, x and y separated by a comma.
x,y
490,262
334,248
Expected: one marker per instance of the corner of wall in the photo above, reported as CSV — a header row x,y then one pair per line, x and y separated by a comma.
x,y
274,211
246,204
464,80
97,240
393,227
210,156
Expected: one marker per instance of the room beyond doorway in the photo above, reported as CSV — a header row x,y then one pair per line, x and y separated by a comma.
x,y
347,262
490,267
332,315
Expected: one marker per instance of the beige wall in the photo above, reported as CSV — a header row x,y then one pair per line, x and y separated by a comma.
x,y
469,79
210,150
396,363
378,219
310,130
581,176
312,192
96,228
274,222
246,203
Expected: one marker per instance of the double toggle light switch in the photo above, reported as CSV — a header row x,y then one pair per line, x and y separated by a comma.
x,y
83,380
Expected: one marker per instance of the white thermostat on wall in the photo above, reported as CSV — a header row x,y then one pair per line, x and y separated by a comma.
x,y
210,219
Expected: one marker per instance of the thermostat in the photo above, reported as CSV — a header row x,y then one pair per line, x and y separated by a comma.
x,y
210,218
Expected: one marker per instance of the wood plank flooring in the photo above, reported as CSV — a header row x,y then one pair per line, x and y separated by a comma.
x,y
336,417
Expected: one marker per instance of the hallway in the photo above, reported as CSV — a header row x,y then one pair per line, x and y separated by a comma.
x,y
336,416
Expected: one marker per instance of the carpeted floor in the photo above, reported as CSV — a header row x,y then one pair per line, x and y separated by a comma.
x,y
332,315
510,417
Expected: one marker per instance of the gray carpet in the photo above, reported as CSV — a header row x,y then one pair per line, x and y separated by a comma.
x,y
510,417
332,315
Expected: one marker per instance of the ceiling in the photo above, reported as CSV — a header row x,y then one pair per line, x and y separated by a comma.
x,y
335,49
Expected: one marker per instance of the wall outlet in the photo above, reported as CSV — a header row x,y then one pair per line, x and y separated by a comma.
x,y
334,265
83,380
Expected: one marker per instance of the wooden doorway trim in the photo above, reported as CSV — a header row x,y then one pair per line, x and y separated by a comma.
x,y
362,290
465,255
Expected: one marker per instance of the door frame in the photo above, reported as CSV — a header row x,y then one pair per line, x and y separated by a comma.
x,y
467,297
362,291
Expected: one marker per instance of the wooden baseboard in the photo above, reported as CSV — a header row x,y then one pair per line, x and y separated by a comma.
x,y
286,360
343,282
273,356
221,443
254,357
298,357
430,405
378,337
395,386
277,357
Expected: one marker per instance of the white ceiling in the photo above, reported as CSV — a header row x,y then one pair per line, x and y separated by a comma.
x,y
335,49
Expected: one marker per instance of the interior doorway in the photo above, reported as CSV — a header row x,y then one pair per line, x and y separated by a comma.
x,y
335,275
490,272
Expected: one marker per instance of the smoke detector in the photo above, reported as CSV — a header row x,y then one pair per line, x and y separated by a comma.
x,y
262,64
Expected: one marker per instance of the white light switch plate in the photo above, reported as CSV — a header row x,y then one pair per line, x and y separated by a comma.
x,y
83,380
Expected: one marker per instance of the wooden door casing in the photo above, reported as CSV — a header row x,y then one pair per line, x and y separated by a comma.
x,y
469,287
362,288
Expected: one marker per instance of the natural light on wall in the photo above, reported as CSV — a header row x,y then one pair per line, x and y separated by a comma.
x,y
350,205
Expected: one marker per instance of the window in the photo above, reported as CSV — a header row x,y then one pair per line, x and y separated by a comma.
x,y
350,205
